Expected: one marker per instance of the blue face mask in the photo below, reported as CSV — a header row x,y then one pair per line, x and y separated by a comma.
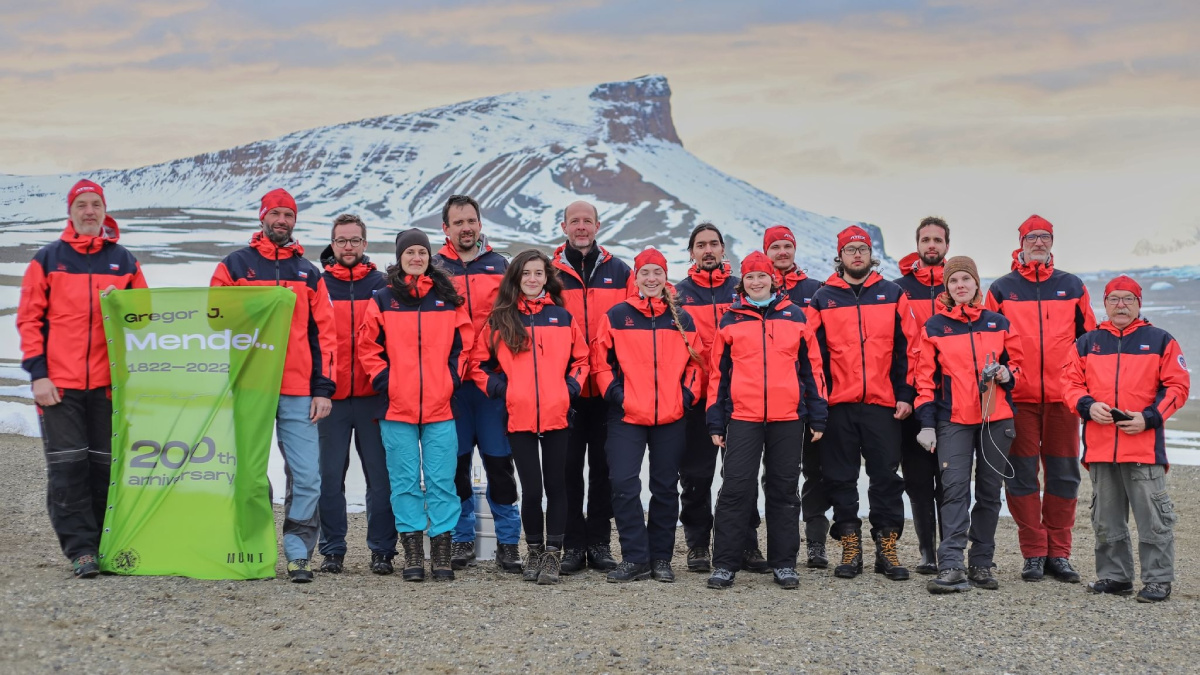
x,y
761,303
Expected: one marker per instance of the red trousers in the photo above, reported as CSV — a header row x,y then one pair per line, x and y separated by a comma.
x,y
1047,439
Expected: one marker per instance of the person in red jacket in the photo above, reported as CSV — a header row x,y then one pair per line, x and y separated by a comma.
x,y
1125,379
1049,309
864,327
415,344
593,281
780,246
275,258
921,278
968,362
706,293
476,271
647,367
351,278
64,351
765,383
531,357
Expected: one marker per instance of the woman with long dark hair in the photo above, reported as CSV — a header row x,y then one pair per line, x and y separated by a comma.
x,y
766,383
646,365
415,343
531,354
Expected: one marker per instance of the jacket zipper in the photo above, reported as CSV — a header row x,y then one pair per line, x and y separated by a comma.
x,y
1117,393
537,394
276,265
420,370
1037,275
974,365
87,377
862,341
764,356
654,348
353,335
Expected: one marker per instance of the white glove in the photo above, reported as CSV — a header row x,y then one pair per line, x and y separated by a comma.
x,y
927,438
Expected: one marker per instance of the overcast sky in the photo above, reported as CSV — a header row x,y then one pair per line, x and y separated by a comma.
x,y
1085,112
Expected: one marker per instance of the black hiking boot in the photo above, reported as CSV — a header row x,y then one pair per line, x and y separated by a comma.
x,y
627,571
852,558
720,578
85,567
817,558
1111,587
1155,591
698,559
753,561
887,559
953,580
1060,568
332,564
573,561
787,578
1034,569
439,557
660,570
600,557
381,563
462,555
983,577
414,556
508,558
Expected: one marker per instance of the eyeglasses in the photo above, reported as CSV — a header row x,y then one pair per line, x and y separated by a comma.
x,y
1032,238
342,242
1117,300
856,250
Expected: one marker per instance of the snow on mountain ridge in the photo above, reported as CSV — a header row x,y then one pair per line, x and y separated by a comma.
x,y
523,156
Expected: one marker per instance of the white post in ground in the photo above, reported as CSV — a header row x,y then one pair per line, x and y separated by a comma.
x,y
485,525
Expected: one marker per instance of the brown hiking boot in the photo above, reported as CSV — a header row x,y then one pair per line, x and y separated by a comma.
x,y
550,564
439,557
887,559
414,556
852,560
533,561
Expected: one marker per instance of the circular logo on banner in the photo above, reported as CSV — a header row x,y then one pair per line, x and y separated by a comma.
x,y
126,560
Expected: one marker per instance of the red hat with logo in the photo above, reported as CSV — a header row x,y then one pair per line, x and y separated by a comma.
x,y
650,256
757,261
1124,283
277,198
82,187
776,233
852,234
1035,223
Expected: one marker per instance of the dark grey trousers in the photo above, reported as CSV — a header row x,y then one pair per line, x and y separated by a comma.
x,y
958,445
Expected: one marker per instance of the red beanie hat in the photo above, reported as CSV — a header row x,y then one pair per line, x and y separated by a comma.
x,y
852,234
275,199
758,261
650,256
1035,223
1124,283
82,187
776,233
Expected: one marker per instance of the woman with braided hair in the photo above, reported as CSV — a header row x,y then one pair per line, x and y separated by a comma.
x,y
647,368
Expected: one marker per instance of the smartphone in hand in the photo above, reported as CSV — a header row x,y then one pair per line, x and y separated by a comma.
x,y
1118,415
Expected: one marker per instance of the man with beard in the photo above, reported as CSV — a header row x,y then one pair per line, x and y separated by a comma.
x,y
780,246
351,279
922,280
1050,309
706,293
864,327
476,271
275,258
593,281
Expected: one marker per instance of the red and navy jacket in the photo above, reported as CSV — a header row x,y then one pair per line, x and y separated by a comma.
x,y
1141,369
477,281
922,286
58,317
865,338
1049,309
799,286
350,290
589,299
766,367
642,363
956,345
311,360
707,295
417,351
537,384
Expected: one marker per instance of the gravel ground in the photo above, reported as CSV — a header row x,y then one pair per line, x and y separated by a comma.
x,y
495,623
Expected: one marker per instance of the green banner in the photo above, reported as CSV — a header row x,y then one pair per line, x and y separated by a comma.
x,y
196,375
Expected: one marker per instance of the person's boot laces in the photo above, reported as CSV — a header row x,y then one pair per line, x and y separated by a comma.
x,y
851,548
887,546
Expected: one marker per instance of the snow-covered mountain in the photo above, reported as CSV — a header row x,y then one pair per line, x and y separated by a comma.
x,y
523,156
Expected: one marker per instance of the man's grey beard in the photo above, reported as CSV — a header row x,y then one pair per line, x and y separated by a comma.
x,y
278,238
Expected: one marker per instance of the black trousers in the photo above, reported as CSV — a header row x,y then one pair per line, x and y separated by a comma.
x,y
644,539
355,416
857,432
586,443
923,483
813,502
778,446
545,470
696,472
77,440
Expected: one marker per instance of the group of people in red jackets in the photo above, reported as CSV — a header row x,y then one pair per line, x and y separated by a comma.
x,y
571,363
